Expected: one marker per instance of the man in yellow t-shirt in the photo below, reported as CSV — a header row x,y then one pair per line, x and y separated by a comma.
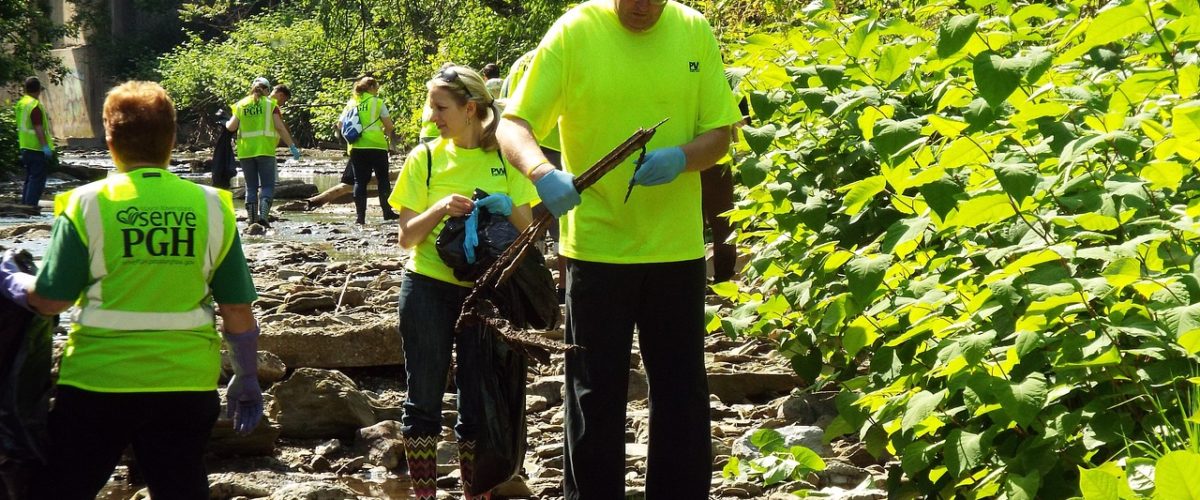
x,y
606,68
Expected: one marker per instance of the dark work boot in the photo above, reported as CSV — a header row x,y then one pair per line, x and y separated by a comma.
x,y
251,212
360,210
265,214
385,192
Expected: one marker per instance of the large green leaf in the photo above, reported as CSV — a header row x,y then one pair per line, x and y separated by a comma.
x,y
920,405
1017,179
1177,476
891,137
996,76
903,231
753,170
865,274
942,196
1106,482
760,138
1023,487
1022,401
985,209
861,192
807,459
954,34
963,451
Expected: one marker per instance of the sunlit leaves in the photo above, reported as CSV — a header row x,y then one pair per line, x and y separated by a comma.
x,y
954,33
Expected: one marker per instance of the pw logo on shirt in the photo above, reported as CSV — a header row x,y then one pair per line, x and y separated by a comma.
x,y
694,66
497,171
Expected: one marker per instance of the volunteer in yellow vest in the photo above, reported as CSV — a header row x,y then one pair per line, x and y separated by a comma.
x,y
606,68
33,136
369,153
436,182
259,126
143,254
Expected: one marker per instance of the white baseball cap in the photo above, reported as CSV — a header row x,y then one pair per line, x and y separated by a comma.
x,y
261,81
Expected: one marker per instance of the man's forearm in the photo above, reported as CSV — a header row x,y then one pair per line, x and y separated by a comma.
x,y
521,149
40,132
706,149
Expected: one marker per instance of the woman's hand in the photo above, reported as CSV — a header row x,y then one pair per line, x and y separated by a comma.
x,y
455,205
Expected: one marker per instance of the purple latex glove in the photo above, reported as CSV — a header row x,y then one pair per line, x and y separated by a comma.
x,y
660,166
243,397
15,282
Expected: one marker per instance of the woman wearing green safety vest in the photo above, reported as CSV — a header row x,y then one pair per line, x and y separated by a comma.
x,y
33,135
259,126
436,182
369,153
143,254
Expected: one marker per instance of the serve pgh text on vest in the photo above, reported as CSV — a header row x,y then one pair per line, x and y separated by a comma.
x,y
164,232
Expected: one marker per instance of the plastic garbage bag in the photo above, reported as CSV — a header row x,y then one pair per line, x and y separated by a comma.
x,y
224,164
495,234
500,447
25,386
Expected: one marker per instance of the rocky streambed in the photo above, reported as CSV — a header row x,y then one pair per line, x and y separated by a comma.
x,y
331,365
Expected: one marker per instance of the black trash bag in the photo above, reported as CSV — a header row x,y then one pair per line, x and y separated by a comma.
x,y
528,299
495,234
500,445
25,386
224,164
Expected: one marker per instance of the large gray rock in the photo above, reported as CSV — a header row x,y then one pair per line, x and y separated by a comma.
x,y
809,437
316,403
739,387
384,443
367,343
313,490
271,369
231,485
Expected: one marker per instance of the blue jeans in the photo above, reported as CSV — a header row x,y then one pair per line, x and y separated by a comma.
x,y
428,310
259,172
35,163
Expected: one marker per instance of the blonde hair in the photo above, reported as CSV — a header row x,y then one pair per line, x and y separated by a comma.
x,y
365,84
258,90
139,120
469,85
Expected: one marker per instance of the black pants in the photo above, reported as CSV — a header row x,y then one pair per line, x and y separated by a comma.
x,y
90,430
716,197
365,162
666,302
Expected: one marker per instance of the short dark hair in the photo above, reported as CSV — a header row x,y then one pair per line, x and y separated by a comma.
x,y
491,71
32,84
283,89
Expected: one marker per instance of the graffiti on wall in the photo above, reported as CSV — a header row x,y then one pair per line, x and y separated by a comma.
x,y
68,103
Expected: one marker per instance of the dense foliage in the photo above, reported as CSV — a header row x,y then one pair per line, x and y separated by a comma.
x,y
10,151
977,220
27,34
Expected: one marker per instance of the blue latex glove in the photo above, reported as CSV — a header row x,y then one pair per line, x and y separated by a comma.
x,y
557,191
15,283
660,166
243,397
47,151
471,238
499,204
295,152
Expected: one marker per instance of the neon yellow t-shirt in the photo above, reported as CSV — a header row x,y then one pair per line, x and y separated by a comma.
x,y
600,82
455,170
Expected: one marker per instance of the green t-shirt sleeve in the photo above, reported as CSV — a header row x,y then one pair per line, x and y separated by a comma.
x,y
718,104
538,98
411,191
64,273
231,282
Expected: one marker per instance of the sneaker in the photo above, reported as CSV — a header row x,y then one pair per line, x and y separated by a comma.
x,y
391,216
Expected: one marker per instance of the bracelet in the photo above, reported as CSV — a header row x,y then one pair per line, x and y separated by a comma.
x,y
533,171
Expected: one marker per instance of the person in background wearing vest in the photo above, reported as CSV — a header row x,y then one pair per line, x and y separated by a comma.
x,y
259,126
436,182
143,254
33,136
370,152
605,69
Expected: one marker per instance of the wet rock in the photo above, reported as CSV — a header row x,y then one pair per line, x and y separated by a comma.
x,y
225,442
793,435
256,229
322,300
371,343
329,448
319,463
271,369
740,489
315,403
808,409
30,231
231,485
313,490
384,443
843,475
738,387
295,206
350,465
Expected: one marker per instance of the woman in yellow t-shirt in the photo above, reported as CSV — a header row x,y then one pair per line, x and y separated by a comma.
x,y
437,182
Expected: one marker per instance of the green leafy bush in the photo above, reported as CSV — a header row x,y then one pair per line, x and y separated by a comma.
x,y
778,462
978,221
10,150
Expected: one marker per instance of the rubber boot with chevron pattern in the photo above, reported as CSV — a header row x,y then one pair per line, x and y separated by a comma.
x,y
466,465
421,453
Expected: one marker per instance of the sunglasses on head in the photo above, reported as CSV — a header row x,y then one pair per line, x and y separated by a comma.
x,y
448,75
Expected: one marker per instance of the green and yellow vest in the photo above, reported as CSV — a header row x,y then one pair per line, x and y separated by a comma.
x,y
256,134
25,135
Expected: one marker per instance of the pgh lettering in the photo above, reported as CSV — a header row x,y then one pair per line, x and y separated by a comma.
x,y
158,240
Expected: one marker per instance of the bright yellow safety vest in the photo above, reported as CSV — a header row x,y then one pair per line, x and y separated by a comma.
x,y
25,134
145,322
256,134
369,111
